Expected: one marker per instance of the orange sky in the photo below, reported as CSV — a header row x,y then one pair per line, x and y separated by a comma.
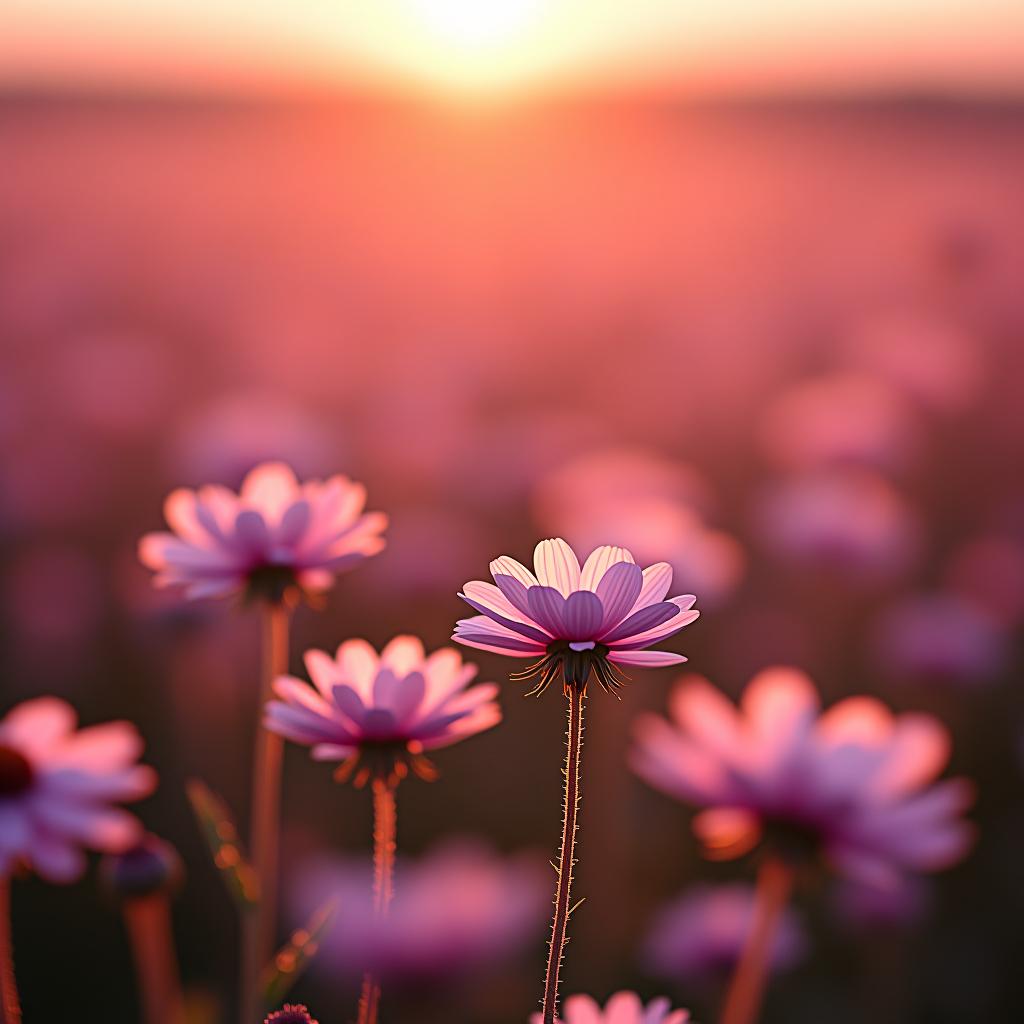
x,y
482,47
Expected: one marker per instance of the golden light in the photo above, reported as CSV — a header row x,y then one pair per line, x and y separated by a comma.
x,y
474,23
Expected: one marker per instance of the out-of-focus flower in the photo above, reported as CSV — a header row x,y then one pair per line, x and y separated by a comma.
x,y
152,865
621,1008
58,785
845,521
577,620
378,714
291,1013
938,639
989,572
700,936
458,911
854,783
223,440
275,535
899,905
654,505
931,359
842,418
610,478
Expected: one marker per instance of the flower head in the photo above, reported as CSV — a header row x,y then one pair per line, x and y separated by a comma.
x,y
575,620
274,537
622,1008
458,912
700,936
379,713
57,786
291,1013
152,865
855,783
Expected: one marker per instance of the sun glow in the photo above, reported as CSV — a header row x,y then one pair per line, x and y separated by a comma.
x,y
475,22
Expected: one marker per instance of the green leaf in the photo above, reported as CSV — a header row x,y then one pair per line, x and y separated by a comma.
x,y
221,836
294,956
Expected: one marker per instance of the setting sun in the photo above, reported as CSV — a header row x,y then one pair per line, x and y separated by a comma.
x,y
470,23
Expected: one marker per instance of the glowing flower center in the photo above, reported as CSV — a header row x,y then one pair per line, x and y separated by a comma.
x,y
16,773
574,661
388,760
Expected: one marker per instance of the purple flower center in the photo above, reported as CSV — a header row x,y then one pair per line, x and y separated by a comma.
x,y
16,772
291,1014
573,661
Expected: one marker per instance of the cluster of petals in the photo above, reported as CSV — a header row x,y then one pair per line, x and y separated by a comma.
x,y
856,781
609,601
220,541
400,697
700,936
58,786
621,1008
458,911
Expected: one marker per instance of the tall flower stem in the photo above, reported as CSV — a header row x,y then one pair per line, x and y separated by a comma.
x,y
259,924
148,920
566,856
746,990
10,1008
384,829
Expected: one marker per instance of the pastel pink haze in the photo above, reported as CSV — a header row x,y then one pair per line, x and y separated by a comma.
x,y
58,787
273,534
855,782
574,618
400,701
621,1008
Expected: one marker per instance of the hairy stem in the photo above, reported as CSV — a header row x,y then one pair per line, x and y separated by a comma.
x,y
746,990
148,920
384,829
566,856
259,925
10,1008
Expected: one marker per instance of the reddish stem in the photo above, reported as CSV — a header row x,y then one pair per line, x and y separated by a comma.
x,y
566,857
259,924
148,920
384,843
10,1008
746,991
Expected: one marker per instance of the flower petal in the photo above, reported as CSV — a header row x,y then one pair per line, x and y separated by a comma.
x,y
618,590
599,561
582,614
557,566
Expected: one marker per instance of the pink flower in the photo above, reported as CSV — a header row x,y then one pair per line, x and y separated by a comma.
x,y
57,786
576,620
381,712
458,911
855,782
700,936
622,1008
274,535
850,522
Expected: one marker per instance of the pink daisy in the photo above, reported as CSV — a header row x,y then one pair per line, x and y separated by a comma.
x,y
274,535
57,787
575,620
380,712
855,782
622,1008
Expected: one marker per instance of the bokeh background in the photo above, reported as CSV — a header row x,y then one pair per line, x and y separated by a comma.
x,y
741,290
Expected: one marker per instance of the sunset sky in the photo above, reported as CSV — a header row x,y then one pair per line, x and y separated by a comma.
x,y
488,46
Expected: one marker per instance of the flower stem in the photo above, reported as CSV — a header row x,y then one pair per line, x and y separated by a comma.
x,y
259,924
746,990
148,920
566,856
10,1008
384,828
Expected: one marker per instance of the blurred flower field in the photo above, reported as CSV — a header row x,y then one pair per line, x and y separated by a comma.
x,y
775,346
